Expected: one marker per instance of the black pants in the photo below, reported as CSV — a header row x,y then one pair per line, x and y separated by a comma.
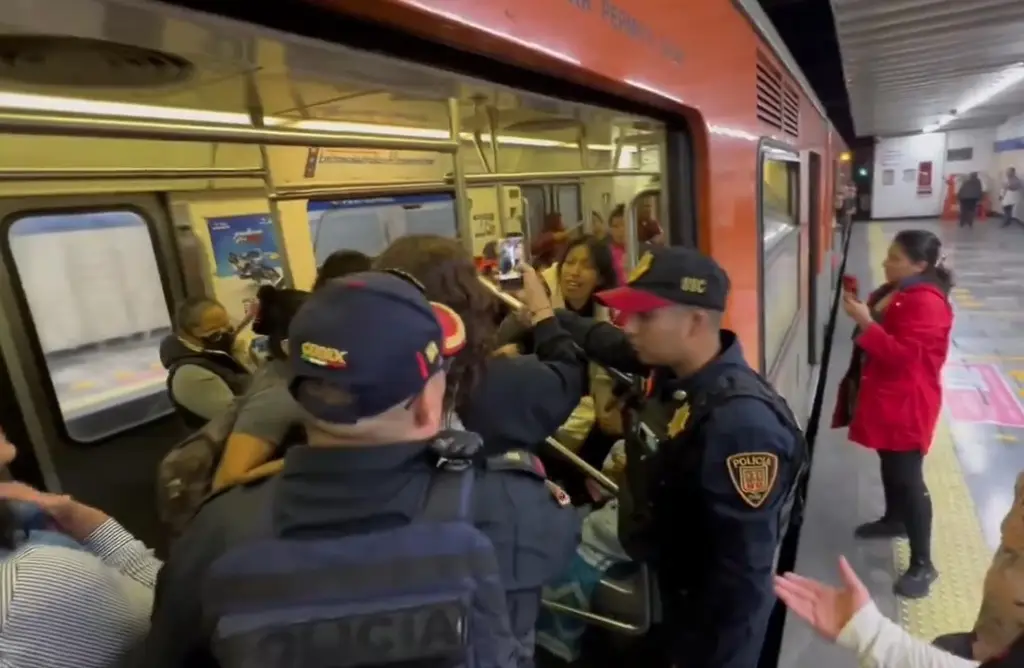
x,y
968,210
1008,215
907,500
959,644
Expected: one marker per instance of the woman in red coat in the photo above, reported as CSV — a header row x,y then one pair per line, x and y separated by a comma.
x,y
892,394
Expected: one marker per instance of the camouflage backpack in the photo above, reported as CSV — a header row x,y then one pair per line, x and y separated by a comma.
x,y
185,474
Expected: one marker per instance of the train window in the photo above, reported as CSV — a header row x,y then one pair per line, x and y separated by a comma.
x,y
568,199
781,250
535,208
370,224
93,290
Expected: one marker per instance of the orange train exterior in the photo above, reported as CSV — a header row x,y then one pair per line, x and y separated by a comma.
x,y
696,58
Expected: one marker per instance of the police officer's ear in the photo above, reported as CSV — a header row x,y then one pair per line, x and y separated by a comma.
x,y
428,408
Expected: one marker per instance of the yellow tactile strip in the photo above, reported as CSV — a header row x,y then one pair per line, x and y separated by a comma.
x,y
958,545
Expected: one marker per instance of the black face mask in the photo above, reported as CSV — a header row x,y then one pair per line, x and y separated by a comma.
x,y
220,341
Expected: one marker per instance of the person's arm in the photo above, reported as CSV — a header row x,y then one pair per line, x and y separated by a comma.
x,y
263,421
201,391
602,342
881,643
912,324
746,474
112,543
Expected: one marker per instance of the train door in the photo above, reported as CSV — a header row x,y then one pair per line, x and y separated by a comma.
x,y
815,268
85,283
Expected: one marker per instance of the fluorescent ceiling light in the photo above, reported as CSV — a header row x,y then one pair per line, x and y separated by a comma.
x,y
69,105
999,82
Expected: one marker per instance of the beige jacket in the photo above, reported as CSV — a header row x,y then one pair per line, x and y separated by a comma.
x,y
596,406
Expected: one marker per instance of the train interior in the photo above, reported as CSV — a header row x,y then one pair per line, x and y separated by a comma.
x,y
149,154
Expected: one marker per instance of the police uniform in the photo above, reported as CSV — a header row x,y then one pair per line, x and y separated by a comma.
x,y
367,342
715,497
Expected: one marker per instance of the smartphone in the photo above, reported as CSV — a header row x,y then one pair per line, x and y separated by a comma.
x,y
850,284
511,251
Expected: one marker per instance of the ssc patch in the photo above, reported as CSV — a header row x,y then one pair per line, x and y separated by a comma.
x,y
753,474
679,419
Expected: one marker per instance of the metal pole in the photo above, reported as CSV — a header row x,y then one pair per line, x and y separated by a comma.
x,y
379,188
492,124
69,125
106,173
547,177
463,223
582,465
257,119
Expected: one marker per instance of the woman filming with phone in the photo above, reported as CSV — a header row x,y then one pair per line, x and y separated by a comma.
x,y
891,395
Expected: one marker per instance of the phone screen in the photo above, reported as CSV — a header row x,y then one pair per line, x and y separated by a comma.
x,y
511,254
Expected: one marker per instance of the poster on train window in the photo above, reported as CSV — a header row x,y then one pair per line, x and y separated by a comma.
x,y
245,256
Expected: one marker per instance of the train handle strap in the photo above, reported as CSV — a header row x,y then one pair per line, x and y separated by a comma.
x,y
814,421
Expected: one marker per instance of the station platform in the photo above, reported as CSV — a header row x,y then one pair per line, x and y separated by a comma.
x,y
972,466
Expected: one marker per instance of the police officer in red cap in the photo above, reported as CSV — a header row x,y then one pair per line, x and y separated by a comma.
x,y
713,487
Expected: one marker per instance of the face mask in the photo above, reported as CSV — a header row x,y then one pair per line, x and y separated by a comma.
x,y
222,341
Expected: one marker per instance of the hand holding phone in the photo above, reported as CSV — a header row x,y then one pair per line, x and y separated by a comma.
x,y
851,284
511,251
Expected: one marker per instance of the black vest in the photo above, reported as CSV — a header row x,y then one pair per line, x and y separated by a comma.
x,y
224,366
666,523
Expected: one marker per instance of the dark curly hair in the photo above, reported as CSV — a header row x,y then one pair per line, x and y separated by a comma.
x,y
341,263
449,276
277,307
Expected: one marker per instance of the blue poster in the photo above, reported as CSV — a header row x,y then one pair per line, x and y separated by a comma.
x,y
246,256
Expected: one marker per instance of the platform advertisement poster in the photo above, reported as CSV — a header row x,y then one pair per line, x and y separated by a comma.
x,y
246,257
924,178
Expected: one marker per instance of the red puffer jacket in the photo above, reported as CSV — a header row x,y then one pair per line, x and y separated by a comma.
x,y
900,389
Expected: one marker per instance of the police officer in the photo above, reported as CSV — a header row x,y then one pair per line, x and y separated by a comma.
x,y
723,477
367,356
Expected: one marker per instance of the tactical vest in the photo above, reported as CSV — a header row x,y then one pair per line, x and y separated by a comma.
x,y
224,366
666,499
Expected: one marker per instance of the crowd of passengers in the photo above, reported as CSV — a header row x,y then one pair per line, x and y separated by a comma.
x,y
435,371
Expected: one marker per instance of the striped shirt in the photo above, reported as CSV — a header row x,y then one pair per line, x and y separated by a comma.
x,y
76,608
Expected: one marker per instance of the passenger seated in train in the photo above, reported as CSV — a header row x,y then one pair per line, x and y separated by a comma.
x,y
341,263
848,617
76,589
268,417
203,374
511,402
359,494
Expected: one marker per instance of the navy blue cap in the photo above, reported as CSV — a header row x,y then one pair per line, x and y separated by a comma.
x,y
366,342
667,276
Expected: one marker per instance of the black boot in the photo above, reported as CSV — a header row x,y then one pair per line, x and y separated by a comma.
x,y
917,581
883,528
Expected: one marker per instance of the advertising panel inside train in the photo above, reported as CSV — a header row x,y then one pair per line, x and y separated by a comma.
x,y
368,225
246,256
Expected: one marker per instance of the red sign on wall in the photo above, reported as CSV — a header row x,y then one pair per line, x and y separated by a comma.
x,y
924,178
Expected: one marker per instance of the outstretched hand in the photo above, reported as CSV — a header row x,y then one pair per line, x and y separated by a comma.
x,y
75,519
827,609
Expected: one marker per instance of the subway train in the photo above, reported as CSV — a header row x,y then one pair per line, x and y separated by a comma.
x,y
151,151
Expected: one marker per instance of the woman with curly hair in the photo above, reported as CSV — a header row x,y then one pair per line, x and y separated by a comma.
x,y
510,401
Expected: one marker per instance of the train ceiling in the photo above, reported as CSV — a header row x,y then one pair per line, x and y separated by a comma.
x,y
145,53
913,65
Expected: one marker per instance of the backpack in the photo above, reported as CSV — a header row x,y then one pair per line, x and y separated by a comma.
x,y
425,594
185,474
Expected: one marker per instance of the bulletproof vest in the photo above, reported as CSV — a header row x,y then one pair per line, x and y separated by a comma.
x,y
224,366
666,488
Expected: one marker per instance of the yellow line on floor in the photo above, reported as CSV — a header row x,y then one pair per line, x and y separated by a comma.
x,y
958,545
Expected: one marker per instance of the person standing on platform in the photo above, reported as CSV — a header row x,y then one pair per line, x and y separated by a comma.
x,y
1011,196
891,395
969,195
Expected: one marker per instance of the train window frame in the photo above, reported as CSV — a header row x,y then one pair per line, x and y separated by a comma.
x,y
678,168
770,149
144,208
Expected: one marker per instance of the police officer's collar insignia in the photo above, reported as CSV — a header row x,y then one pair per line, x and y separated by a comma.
x,y
679,419
754,475
642,267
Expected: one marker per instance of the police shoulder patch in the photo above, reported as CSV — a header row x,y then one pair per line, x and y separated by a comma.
x,y
754,475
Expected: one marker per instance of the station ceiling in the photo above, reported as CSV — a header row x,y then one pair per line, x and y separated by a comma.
x,y
913,65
